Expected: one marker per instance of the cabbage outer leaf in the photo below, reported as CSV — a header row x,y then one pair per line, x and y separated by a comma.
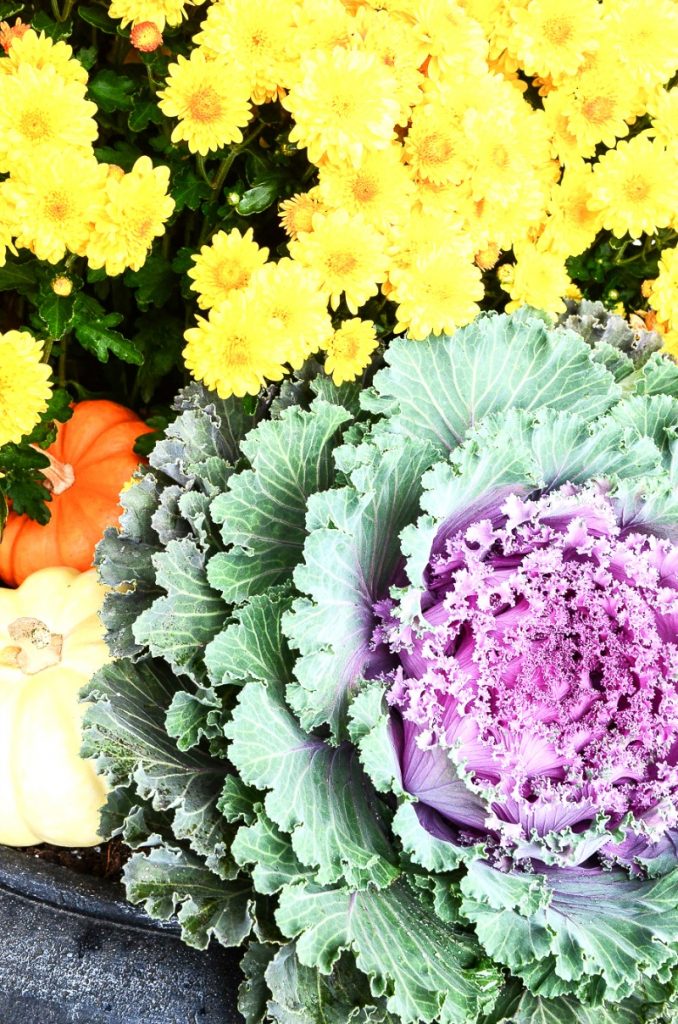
x,y
427,970
559,929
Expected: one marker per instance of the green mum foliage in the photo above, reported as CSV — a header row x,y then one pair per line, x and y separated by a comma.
x,y
248,726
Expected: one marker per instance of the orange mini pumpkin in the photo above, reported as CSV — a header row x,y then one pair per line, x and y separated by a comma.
x,y
90,461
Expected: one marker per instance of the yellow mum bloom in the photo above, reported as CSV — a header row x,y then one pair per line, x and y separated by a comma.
x,y
344,105
434,143
25,385
230,352
42,115
347,253
664,294
397,47
455,42
663,108
294,306
349,350
7,219
225,265
258,38
636,187
135,211
296,214
56,203
539,279
211,100
379,187
39,51
573,225
552,38
162,12
643,38
438,292
599,106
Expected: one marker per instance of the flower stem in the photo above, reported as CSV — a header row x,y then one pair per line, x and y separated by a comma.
x,y
220,177
61,372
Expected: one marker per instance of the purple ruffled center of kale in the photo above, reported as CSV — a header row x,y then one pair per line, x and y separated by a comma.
x,y
537,687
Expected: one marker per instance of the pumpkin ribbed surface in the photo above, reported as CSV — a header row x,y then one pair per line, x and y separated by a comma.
x,y
92,458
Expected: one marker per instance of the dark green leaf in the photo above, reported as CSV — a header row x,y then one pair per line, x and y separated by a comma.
x,y
259,198
143,113
94,330
56,30
56,311
111,91
153,283
8,8
122,153
18,275
187,188
97,17
87,56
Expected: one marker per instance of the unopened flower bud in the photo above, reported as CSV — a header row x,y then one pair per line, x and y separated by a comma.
x,y
146,36
487,257
62,286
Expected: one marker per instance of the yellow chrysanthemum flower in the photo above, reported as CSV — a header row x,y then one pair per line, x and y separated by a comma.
x,y
397,47
539,279
322,25
294,306
643,39
7,221
573,225
551,38
436,293
230,352
423,229
296,214
134,213
379,188
25,385
162,12
600,104
211,100
225,265
455,43
564,144
350,349
55,204
39,51
258,38
636,187
347,253
343,106
42,115
664,295
663,108
433,145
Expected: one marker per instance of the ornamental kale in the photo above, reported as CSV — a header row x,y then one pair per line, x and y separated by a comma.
x,y
396,693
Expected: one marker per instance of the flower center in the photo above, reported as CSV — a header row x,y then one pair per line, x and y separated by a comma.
x,y
205,105
598,109
341,263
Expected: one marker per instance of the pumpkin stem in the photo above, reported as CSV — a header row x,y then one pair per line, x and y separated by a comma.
x,y
60,475
37,647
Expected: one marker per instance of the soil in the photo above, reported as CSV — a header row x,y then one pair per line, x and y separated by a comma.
x,y
104,861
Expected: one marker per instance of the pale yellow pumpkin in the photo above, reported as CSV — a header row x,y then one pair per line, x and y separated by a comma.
x,y
51,643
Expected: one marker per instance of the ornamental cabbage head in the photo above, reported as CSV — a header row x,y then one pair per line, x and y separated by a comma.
x,y
396,693
534,692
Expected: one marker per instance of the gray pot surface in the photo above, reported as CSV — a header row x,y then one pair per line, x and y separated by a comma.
x,y
72,951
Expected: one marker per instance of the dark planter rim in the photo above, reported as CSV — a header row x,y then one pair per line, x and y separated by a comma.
x,y
63,889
